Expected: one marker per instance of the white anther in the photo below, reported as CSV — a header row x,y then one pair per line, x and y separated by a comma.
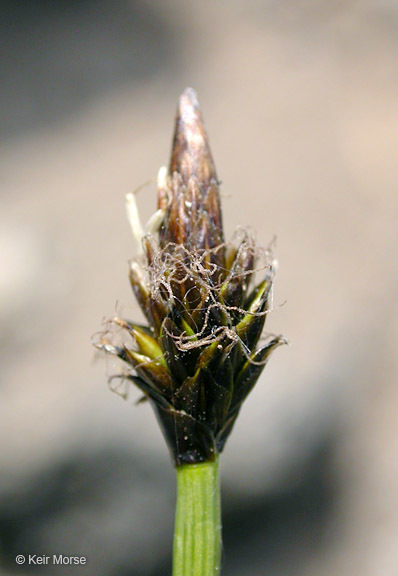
x,y
162,178
134,219
155,221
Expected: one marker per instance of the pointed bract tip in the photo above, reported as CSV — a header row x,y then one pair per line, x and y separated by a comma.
x,y
191,154
188,98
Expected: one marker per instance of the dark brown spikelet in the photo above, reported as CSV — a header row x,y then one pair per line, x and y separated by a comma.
x,y
193,210
199,356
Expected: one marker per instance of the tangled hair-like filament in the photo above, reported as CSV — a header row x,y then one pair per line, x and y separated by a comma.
x,y
174,265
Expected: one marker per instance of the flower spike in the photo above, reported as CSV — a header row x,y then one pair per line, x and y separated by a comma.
x,y
199,357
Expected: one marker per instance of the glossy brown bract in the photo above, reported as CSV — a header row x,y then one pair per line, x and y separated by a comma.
x,y
199,356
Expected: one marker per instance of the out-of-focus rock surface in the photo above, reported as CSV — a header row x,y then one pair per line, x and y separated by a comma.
x,y
299,100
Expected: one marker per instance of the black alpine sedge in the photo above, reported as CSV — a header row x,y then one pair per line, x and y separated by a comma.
x,y
200,354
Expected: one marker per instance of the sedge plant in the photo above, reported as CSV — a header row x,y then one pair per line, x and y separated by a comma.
x,y
202,349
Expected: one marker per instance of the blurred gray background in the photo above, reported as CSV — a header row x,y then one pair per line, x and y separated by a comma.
x,y
300,103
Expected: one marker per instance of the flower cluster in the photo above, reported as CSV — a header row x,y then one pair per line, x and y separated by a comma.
x,y
199,356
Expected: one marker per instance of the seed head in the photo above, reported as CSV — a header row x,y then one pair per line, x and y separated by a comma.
x,y
199,356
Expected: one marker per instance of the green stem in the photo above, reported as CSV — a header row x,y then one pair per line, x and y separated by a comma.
x,y
197,536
